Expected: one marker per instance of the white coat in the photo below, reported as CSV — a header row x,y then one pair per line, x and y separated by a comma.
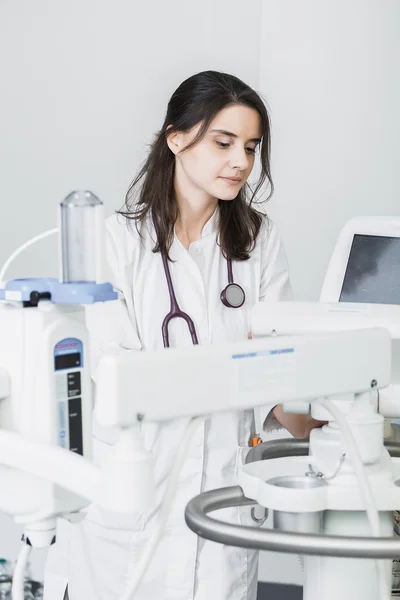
x,y
98,555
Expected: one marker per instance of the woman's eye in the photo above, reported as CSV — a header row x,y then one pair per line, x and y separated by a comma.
x,y
225,145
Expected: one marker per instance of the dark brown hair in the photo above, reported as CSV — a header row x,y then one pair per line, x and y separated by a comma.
x,y
198,100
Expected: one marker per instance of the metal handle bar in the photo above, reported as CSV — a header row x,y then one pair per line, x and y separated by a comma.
x,y
280,541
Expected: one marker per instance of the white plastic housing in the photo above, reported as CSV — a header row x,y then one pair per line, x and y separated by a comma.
x,y
39,394
301,318
127,478
199,380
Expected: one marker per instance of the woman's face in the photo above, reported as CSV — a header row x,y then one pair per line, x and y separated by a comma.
x,y
221,162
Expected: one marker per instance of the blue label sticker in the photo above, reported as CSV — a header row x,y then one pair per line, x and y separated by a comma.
x,y
264,353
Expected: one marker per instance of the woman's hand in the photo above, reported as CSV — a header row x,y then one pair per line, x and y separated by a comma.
x,y
299,426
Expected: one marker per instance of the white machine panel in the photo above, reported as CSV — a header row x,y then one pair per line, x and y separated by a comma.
x,y
206,379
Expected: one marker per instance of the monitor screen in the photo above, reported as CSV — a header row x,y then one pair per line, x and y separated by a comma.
x,y
373,270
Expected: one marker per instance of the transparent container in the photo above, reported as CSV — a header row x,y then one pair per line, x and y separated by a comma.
x,y
82,238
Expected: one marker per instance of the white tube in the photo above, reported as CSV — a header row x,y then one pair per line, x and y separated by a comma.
x,y
133,585
64,468
372,512
23,247
19,572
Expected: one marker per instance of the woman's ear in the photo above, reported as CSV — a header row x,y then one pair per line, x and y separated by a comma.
x,y
174,141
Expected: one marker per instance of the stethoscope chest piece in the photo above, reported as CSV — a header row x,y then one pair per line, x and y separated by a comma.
x,y
233,296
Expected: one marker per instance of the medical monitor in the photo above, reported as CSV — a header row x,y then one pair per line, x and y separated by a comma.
x,y
364,273
373,270
365,264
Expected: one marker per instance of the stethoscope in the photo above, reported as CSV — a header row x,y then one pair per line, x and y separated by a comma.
x,y
232,296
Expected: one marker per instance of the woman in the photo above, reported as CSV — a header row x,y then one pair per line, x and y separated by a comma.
x,y
189,221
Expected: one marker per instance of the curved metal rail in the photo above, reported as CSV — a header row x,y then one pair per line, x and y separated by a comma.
x,y
197,518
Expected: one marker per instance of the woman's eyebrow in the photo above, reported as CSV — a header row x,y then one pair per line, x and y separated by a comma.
x,y
230,134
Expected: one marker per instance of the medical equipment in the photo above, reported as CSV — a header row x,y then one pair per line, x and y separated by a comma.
x,y
45,369
361,288
82,233
232,296
44,372
365,263
364,268
238,375
363,277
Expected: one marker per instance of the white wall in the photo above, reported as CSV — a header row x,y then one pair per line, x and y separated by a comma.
x,y
330,72
83,87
